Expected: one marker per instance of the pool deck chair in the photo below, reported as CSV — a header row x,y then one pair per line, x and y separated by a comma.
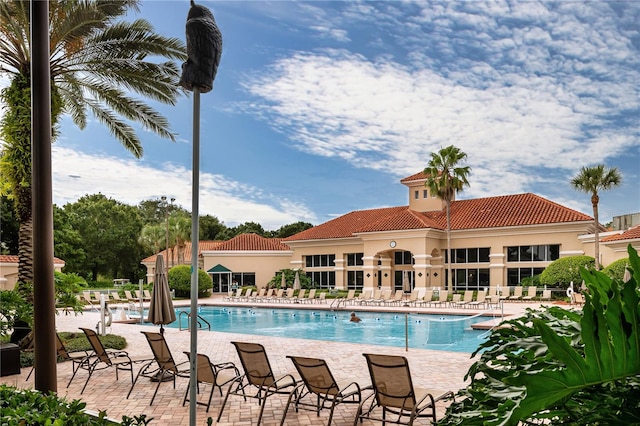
x,y
104,358
216,375
395,399
517,293
319,389
258,380
481,300
76,357
531,293
162,367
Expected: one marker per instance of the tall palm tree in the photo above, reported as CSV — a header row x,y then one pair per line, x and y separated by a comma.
x,y
445,177
98,64
179,232
592,180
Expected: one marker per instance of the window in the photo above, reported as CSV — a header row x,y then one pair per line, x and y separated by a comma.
x,y
320,260
539,253
470,279
516,275
425,193
355,259
323,279
403,258
470,255
416,194
355,280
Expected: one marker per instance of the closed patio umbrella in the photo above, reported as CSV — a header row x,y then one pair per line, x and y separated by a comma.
x,y
296,281
283,282
406,283
161,309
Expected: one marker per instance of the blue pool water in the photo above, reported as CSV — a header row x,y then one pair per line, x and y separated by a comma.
x,y
439,332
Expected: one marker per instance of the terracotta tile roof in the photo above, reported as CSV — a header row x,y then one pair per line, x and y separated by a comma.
x,y
10,258
491,212
418,176
629,234
344,226
202,245
252,242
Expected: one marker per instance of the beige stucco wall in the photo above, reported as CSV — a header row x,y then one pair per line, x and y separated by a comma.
x,y
264,264
9,274
428,248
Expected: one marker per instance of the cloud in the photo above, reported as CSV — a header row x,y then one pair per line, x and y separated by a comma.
x,y
76,174
525,89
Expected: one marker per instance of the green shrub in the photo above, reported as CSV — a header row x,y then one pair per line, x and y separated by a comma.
x,y
531,281
28,407
561,272
100,284
180,281
616,269
561,367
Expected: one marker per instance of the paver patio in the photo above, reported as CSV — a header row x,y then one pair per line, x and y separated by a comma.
x,y
435,369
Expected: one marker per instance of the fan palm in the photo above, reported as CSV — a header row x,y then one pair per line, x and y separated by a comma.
x,y
445,178
97,63
593,180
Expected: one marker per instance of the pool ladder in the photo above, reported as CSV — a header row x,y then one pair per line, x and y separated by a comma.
x,y
337,303
201,321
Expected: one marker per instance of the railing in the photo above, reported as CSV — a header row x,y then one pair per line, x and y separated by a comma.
x,y
201,321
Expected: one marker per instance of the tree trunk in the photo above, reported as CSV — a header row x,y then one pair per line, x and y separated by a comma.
x,y
596,233
25,254
448,284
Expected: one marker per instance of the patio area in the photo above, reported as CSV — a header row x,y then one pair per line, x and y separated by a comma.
x,y
434,369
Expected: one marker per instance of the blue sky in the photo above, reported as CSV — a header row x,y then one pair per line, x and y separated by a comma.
x,y
320,108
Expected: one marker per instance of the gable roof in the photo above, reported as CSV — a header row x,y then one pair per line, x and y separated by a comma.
x,y
252,242
629,234
491,212
11,258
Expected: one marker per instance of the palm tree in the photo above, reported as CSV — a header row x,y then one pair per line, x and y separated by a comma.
x,y
97,63
445,178
179,232
592,180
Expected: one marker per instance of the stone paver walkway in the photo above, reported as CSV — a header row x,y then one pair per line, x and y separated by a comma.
x,y
434,369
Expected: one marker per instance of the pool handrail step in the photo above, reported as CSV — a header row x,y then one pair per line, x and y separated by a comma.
x,y
201,321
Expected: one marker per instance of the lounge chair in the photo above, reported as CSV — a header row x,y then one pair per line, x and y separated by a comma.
x,y
481,299
268,295
531,293
130,297
322,298
413,297
319,389
363,297
311,297
578,298
88,300
258,296
288,297
258,377
103,359
116,298
443,297
546,295
233,295
76,357
466,298
517,293
300,297
427,299
377,295
217,375
162,367
350,297
396,299
456,298
494,301
394,393
276,297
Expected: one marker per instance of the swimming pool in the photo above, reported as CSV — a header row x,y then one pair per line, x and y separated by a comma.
x,y
438,332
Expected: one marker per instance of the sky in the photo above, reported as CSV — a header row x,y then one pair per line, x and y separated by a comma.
x,y
320,108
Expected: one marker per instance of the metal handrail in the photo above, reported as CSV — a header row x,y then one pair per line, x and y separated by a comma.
x,y
200,321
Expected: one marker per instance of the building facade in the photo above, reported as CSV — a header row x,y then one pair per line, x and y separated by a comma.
x,y
495,241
